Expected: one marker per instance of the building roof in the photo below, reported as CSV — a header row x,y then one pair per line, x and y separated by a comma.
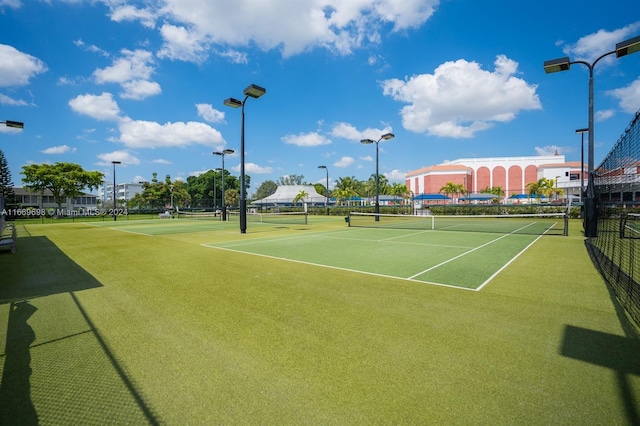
x,y
26,191
285,194
440,168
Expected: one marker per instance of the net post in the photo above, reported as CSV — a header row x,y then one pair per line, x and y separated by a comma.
x,y
566,225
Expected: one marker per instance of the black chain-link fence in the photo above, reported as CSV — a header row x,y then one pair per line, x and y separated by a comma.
x,y
616,248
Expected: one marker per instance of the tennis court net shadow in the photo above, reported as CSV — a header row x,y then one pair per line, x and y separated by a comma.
x,y
617,353
55,365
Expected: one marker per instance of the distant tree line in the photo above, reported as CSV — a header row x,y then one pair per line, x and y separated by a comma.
x,y
345,188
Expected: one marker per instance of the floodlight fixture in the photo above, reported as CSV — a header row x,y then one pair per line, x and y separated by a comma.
x,y
233,103
623,48
254,91
556,65
224,202
385,137
628,47
13,124
115,205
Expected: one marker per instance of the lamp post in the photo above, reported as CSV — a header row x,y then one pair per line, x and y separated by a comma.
x,y
224,203
326,200
14,124
252,91
563,64
385,137
582,132
115,205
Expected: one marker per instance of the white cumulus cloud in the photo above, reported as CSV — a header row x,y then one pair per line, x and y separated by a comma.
x,y
133,72
460,98
123,156
209,113
292,26
17,68
344,162
149,134
62,149
628,97
100,107
306,139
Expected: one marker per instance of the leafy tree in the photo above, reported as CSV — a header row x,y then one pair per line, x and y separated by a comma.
x,y
300,197
267,188
291,180
201,191
64,180
320,189
179,190
6,185
156,194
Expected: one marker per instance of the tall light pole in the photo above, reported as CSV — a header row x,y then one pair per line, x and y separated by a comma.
x,y
582,132
326,200
563,64
252,91
384,137
224,202
115,205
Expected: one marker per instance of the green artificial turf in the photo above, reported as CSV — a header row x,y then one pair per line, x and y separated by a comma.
x,y
125,327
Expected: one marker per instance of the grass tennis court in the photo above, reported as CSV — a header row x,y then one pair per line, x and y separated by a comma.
x,y
188,321
466,260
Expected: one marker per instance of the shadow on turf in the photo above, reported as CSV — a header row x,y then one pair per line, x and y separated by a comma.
x,y
617,353
16,406
40,269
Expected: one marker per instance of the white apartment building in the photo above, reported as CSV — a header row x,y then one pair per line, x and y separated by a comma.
x,y
124,191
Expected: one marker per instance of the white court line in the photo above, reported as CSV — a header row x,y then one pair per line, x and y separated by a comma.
x,y
468,252
506,264
389,240
340,268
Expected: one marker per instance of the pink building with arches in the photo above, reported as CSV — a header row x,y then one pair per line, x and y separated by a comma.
x,y
512,174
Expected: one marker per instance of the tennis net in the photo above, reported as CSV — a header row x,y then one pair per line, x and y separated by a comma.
x,y
198,215
288,218
536,224
630,226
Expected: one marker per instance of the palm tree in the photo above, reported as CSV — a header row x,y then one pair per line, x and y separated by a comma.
x,y
400,190
495,190
300,197
452,189
543,187
232,197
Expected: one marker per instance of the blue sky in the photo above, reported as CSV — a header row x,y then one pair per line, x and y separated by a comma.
x,y
143,82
